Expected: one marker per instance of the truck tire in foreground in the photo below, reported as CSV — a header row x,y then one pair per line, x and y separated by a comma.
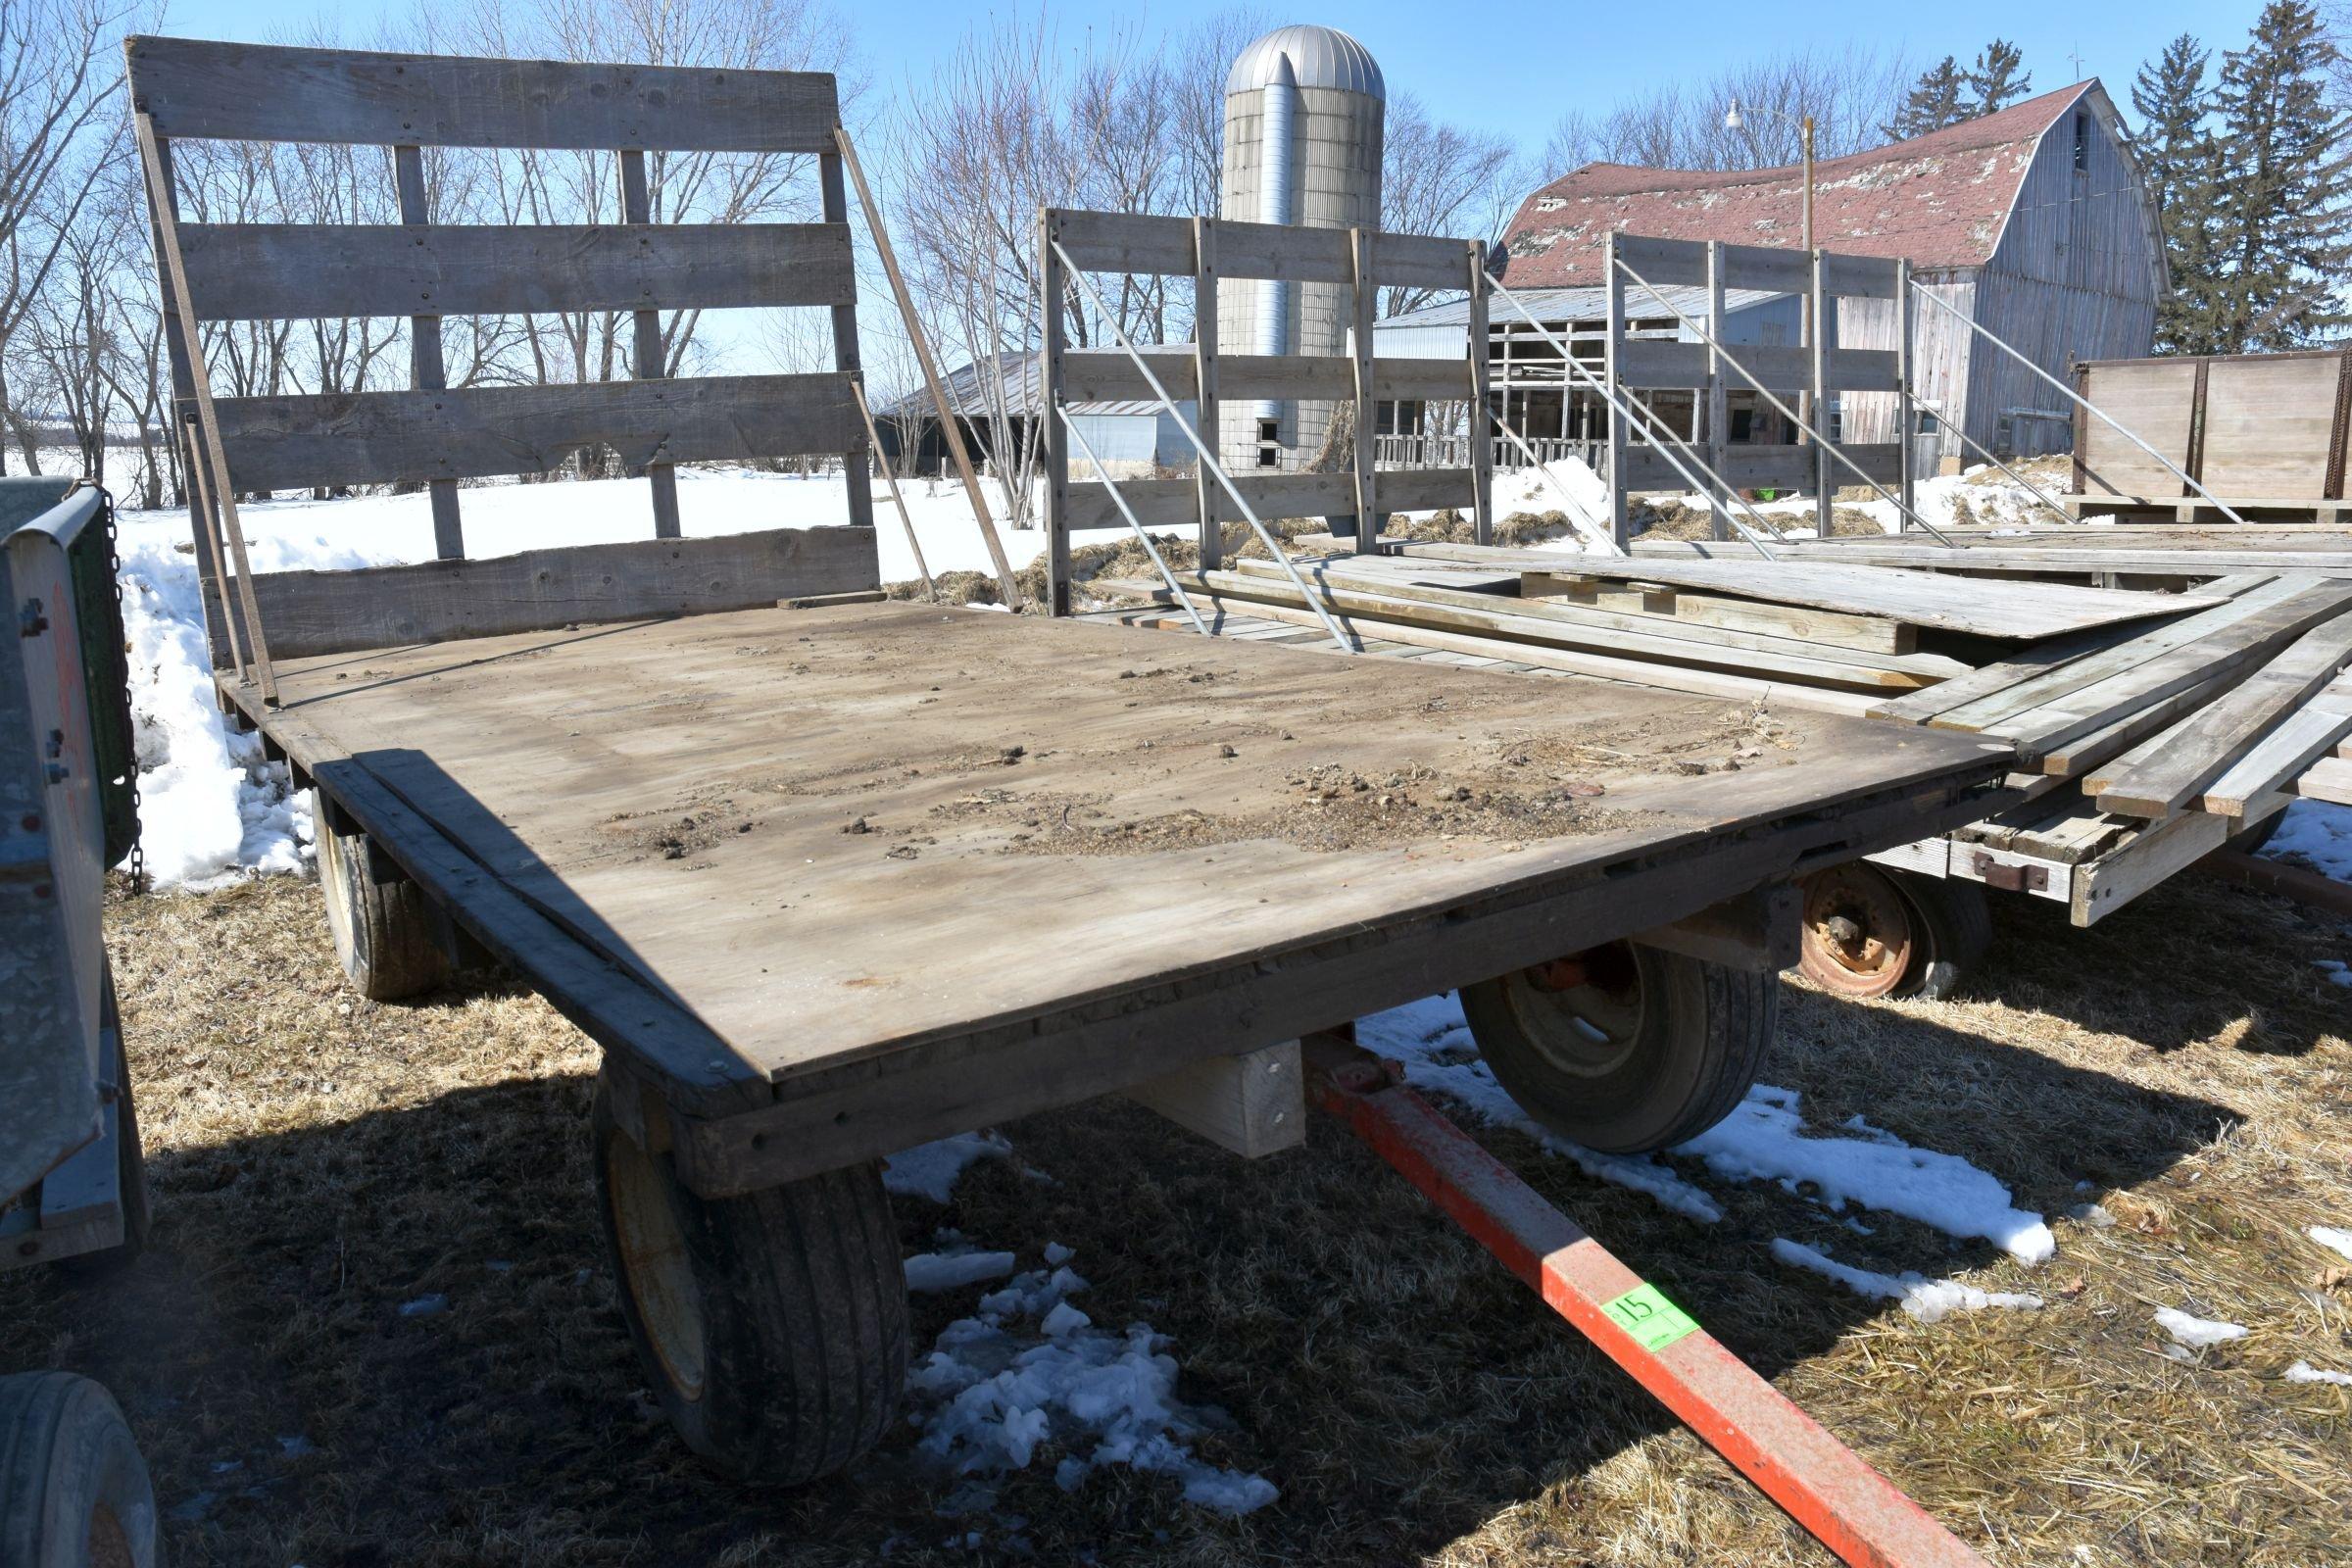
x,y
74,1491
387,934
773,1326
1625,1049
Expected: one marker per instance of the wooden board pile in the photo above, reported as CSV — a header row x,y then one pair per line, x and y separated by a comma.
x,y
2137,553
1841,639
2230,710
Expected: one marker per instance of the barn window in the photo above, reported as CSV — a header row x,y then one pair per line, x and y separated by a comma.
x,y
2081,141
1744,424
1269,441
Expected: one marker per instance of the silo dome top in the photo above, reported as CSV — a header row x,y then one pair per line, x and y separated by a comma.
x,y
1320,57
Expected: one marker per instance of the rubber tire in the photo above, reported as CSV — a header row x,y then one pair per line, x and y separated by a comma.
x,y
387,935
801,1294
1696,1056
68,1469
1956,919
130,1166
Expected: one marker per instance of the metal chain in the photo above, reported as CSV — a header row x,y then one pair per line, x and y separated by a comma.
x,y
113,566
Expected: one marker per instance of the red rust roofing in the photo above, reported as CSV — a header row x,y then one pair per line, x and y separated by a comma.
x,y
1939,199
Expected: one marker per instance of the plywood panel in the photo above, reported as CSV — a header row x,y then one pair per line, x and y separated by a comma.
x,y
2269,424
2155,400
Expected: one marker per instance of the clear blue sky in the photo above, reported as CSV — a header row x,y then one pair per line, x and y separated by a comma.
x,y
1509,68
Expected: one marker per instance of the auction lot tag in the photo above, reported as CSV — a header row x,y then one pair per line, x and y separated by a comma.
x,y
1653,1321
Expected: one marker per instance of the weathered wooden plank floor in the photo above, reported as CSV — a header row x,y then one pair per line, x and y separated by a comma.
x,y
833,832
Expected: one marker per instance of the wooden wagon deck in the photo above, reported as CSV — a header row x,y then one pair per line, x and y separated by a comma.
x,y
921,868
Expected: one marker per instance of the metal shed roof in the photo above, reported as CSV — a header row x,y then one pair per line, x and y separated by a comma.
x,y
968,394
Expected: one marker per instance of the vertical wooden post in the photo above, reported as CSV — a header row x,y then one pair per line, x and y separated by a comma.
x,y
1208,494
203,524
949,430
427,371
1825,486
1482,446
857,475
652,362
1906,398
1052,293
1612,348
162,205
1719,415
1367,411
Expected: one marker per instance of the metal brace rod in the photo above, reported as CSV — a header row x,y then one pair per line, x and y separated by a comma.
x,y
1651,425
1998,341
1575,507
2039,494
1785,411
1207,458
1133,521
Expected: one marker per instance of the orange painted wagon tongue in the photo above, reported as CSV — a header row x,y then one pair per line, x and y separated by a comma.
x,y
1825,1486
1560,974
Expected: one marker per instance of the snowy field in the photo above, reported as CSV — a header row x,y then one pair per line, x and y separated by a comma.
x,y
213,812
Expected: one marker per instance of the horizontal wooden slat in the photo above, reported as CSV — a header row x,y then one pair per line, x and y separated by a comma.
x,y
1869,277
1749,468
1767,267
1667,262
1108,375
278,443
1171,504
196,88
1862,370
311,613
1135,242
248,271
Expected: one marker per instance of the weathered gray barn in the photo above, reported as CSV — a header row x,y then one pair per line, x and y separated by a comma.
x,y
2034,222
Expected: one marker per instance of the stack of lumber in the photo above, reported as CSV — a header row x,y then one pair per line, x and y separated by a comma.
x,y
2077,549
2227,713
1836,638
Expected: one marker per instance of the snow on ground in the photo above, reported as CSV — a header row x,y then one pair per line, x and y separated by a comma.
x,y
1764,1137
2330,1237
930,1170
2318,832
2304,1372
1923,1298
2196,1332
955,1269
1030,1367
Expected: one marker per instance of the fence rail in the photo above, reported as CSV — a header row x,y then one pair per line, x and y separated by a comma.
x,y
1454,452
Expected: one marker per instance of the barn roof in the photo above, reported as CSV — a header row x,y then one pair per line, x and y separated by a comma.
x,y
1940,199
970,391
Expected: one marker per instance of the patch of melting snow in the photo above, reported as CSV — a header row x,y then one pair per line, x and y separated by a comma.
x,y
425,1305
2335,969
1764,1137
1031,1368
2196,1332
930,1170
1924,1299
948,1270
2317,832
2304,1372
2330,1237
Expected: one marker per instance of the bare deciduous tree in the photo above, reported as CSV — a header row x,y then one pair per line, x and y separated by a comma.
x,y
1850,94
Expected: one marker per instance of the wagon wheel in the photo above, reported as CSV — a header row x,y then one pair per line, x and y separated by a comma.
x,y
73,1487
773,1326
1956,920
1860,935
387,935
1625,1049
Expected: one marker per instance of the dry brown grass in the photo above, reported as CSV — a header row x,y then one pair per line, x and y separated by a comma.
x,y
317,1160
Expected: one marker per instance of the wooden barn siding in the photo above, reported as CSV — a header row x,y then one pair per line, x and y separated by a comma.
x,y
1942,350
2074,276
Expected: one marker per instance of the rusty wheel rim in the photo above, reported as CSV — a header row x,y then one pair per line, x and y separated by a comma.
x,y
1859,935
654,1267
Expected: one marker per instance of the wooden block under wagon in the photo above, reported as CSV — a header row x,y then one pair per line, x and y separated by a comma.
x,y
1254,1103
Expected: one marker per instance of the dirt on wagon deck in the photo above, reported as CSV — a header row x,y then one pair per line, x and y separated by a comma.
x,y
321,1162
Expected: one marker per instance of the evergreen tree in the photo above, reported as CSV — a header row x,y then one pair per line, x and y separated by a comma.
x,y
2180,157
2286,154
1994,83
1937,100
